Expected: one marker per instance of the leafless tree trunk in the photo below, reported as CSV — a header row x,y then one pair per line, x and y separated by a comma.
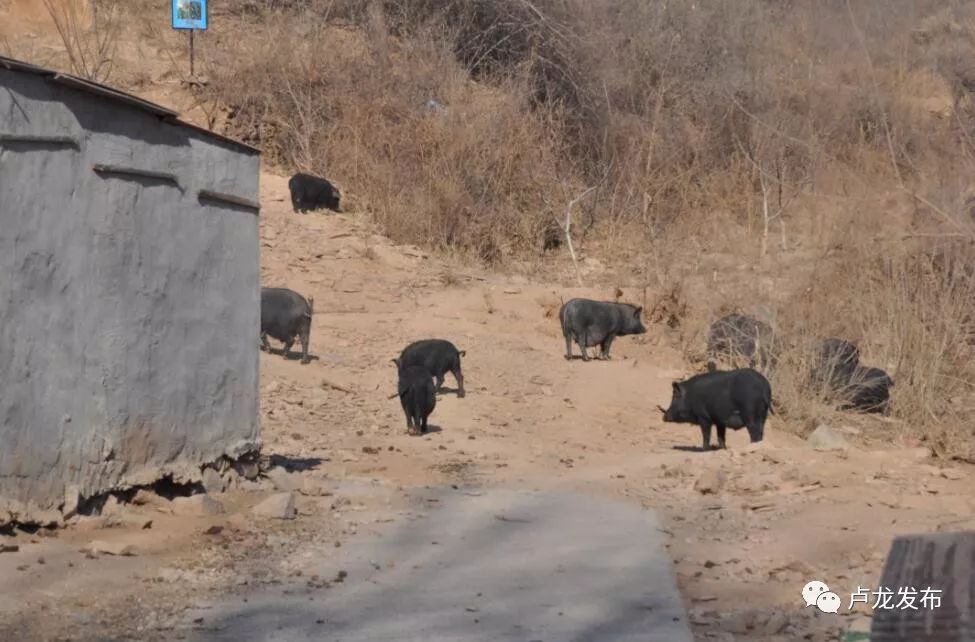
x,y
567,229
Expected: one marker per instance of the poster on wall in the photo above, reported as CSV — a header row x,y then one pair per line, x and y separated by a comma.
x,y
189,14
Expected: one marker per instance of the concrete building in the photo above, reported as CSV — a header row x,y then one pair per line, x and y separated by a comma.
x,y
129,294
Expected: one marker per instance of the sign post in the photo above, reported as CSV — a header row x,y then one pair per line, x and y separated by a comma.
x,y
190,15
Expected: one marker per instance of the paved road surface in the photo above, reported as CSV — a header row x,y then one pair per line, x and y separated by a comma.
x,y
505,566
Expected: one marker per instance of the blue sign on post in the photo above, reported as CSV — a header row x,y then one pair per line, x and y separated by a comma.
x,y
189,14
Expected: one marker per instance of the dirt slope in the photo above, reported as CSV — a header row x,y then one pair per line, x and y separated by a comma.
x,y
748,527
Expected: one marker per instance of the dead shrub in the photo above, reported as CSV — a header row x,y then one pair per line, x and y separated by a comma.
x,y
89,31
910,315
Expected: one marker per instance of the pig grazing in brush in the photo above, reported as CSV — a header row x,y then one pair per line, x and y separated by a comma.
x,y
418,397
285,314
438,356
869,390
591,323
835,363
727,399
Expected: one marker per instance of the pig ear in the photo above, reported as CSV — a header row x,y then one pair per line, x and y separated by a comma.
x,y
639,309
677,388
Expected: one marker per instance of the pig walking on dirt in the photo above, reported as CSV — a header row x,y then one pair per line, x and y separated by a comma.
x,y
438,356
285,314
590,323
418,397
723,398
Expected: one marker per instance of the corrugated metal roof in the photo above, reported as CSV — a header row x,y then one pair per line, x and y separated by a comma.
x,y
104,91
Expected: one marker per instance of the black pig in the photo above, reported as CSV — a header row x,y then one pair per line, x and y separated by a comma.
x,y
436,355
727,399
313,192
285,314
590,323
418,397
869,390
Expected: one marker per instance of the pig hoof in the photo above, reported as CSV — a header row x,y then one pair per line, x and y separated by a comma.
x,y
305,362
568,357
461,394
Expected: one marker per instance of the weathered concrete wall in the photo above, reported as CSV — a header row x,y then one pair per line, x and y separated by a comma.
x,y
129,310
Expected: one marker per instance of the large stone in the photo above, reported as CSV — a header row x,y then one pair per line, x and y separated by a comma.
x,y
99,547
197,505
315,487
280,506
710,482
72,497
826,438
213,482
283,480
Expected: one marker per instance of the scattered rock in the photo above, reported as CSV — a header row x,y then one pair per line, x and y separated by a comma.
x,y
370,450
199,505
213,482
9,548
710,482
213,530
952,473
826,438
72,496
99,547
283,480
249,469
280,506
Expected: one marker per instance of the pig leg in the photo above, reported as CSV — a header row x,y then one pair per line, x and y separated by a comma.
x,y
265,346
423,426
755,422
305,341
721,433
604,347
568,347
287,347
459,376
706,435
582,346
438,382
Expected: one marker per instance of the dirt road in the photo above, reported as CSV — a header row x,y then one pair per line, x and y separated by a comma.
x,y
746,527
